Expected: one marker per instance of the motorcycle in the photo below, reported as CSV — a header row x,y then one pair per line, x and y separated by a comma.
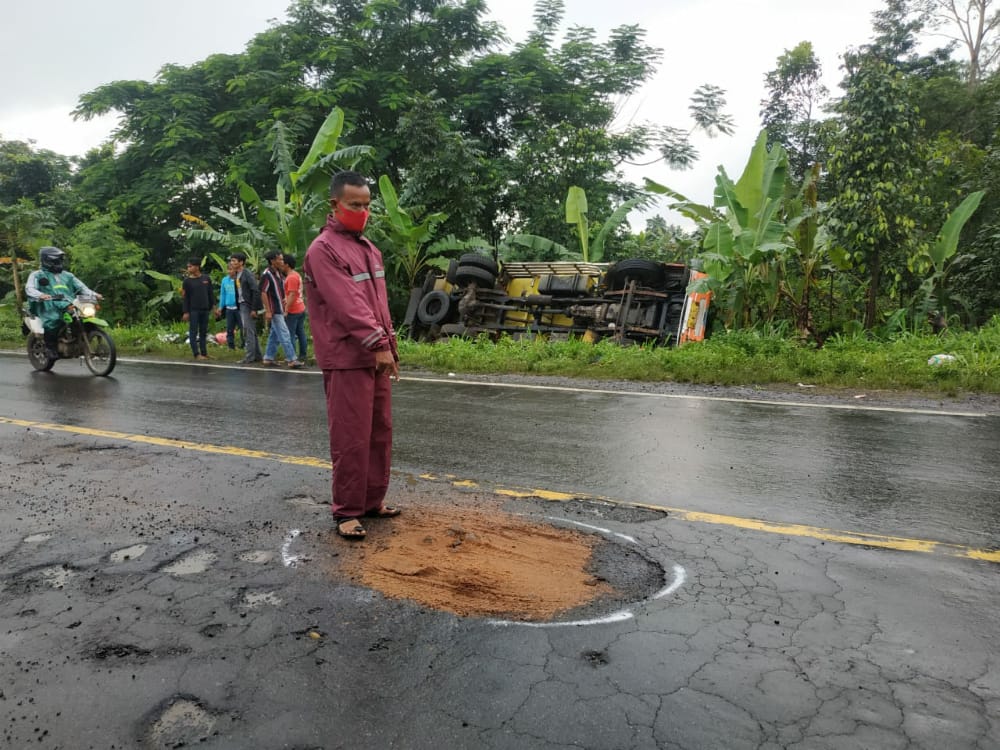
x,y
81,335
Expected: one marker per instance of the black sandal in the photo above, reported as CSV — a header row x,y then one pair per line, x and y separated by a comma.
x,y
357,531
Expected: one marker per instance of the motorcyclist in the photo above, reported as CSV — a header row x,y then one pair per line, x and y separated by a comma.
x,y
51,290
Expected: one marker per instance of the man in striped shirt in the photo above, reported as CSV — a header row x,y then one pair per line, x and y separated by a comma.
x,y
272,292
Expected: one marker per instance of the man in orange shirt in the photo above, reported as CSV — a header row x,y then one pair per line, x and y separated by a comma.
x,y
295,307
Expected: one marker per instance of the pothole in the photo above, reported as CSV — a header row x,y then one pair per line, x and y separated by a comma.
x,y
261,598
493,564
195,562
184,722
256,557
129,553
118,651
57,576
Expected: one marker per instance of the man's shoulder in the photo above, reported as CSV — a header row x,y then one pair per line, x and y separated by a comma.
x,y
328,246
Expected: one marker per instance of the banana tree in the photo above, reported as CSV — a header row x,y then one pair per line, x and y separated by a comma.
x,y
576,214
744,233
408,242
941,257
302,197
800,267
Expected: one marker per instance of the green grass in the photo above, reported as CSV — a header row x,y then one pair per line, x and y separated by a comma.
x,y
736,358
739,358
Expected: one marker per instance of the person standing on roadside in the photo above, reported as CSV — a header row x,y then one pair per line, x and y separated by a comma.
x,y
295,308
248,300
355,345
272,292
229,306
198,299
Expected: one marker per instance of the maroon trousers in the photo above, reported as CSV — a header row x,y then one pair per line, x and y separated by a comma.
x,y
359,415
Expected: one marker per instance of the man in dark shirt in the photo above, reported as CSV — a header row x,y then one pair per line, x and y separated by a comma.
x,y
199,300
248,300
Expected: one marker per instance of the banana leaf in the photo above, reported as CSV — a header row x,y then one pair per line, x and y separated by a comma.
x,y
539,244
576,213
239,221
763,179
398,217
266,214
617,217
947,241
324,142
697,212
725,197
281,155
316,178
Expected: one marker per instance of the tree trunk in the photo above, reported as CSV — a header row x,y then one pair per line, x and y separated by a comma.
x,y
18,291
876,281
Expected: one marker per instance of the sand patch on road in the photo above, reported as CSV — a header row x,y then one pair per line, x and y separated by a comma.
x,y
475,563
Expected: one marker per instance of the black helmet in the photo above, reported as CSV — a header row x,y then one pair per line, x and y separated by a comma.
x,y
51,259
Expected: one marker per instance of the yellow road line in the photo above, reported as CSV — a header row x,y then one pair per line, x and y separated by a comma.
x,y
228,450
903,544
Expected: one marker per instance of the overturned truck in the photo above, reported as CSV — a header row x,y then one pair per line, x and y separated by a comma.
x,y
631,301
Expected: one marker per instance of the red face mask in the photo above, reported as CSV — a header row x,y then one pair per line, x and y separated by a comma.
x,y
353,221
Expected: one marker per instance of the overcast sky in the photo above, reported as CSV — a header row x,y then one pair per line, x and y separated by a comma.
x,y
52,51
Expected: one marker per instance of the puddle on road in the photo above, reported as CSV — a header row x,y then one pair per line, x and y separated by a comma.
x,y
129,553
36,538
260,599
195,562
257,557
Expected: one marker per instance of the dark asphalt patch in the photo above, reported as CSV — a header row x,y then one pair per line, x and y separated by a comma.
x,y
118,651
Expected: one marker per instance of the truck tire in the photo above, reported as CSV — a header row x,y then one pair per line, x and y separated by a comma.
x,y
475,275
434,307
479,261
644,272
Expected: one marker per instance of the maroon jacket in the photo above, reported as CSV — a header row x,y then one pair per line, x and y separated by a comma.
x,y
346,299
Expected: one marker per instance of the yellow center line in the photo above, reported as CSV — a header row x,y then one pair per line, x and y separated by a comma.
x,y
228,450
903,544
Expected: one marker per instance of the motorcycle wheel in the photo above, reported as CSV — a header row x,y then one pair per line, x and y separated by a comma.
x,y
37,355
100,354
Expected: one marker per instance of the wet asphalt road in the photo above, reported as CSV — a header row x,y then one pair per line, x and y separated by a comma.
x,y
152,597
896,473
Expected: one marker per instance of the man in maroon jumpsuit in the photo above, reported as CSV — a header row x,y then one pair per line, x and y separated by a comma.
x,y
355,346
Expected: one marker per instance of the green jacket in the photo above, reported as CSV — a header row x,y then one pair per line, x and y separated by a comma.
x,y
63,283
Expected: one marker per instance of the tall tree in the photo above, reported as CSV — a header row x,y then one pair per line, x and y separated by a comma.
x,y
897,26
795,94
107,262
974,24
27,172
24,228
876,166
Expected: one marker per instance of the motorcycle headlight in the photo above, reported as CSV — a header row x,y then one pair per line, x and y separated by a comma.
x,y
88,309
